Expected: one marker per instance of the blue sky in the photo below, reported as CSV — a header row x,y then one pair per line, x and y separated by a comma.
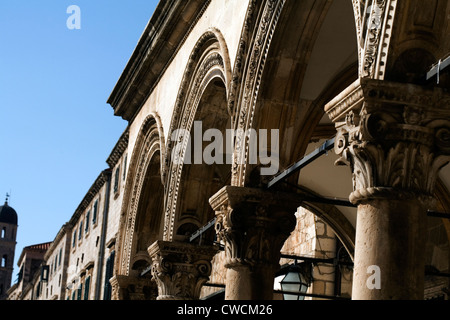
x,y
56,128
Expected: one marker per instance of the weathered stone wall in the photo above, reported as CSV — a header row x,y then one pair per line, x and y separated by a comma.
x,y
314,238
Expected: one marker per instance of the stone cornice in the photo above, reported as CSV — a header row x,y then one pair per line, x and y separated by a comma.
x,y
62,232
90,195
379,92
233,197
156,48
118,150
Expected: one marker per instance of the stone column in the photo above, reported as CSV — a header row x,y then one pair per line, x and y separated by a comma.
x,y
180,269
253,224
132,288
395,137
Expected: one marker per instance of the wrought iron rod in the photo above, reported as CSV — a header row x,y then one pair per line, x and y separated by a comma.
x,y
328,145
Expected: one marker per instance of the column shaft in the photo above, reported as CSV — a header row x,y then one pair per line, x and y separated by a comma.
x,y
390,250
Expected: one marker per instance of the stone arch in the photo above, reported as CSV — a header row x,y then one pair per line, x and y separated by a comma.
x,y
277,68
207,76
142,207
270,82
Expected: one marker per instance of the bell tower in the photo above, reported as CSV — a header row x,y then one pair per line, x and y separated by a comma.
x,y
8,233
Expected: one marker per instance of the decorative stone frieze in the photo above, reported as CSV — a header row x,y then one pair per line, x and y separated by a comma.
x,y
374,24
180,269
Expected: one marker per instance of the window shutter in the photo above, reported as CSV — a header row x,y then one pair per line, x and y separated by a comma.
x,y
74,238
60,256
80,234
80,289
88,216
87,285
116,180
94,214
107,290
44,273
38,290
125,167
109,272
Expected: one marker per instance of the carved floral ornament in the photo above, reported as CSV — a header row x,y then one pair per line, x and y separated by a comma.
x,y
395,137
374,24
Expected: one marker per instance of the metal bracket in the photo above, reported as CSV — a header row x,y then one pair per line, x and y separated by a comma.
x,y
437,68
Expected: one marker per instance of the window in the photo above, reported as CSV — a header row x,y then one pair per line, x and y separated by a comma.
x,y
80,232
74,240
116,180
60,256
88,217
3,235
87,285
4,261
125,167
79,290
95,211
108,275
44,273
38,290
20,275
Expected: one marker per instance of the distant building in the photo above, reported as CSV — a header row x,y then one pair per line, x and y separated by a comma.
x,y
8,233
78,263
29,263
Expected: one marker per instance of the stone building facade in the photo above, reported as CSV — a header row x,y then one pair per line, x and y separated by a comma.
x,y
366,78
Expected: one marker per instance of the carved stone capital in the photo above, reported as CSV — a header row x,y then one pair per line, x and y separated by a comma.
x,y
180,269
395,137
132,288
253,224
